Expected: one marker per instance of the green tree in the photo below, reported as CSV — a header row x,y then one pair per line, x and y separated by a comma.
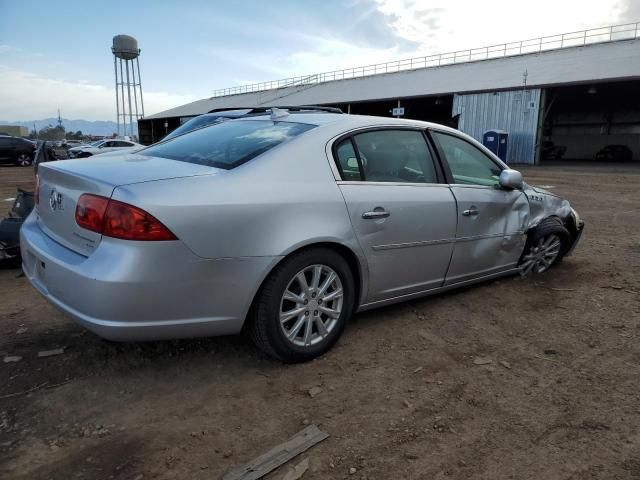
x,y
52,133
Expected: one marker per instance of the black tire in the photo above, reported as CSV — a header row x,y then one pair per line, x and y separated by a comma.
x,y
547,228
85,155
264,321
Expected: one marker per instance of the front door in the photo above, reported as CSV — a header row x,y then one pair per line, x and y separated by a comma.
x,y
403,217
491,220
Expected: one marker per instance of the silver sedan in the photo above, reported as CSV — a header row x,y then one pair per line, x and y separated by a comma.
x,y
284,225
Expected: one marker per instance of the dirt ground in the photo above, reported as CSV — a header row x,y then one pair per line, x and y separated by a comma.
x,y
521,378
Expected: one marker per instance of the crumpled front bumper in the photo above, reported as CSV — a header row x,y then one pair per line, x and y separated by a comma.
x,y
576,237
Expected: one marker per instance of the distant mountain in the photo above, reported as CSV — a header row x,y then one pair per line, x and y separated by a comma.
x,y
98,127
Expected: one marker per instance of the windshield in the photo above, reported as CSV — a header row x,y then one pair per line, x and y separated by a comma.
x,y
96,143
227,144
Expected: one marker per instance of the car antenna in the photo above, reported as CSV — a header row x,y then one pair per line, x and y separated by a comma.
x,y
277,113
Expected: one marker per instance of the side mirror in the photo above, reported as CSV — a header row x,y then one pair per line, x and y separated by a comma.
x,y
511,179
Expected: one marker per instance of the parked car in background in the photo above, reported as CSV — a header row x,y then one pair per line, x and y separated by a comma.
x,y
551,151
102,146
16,151
285,225
615,153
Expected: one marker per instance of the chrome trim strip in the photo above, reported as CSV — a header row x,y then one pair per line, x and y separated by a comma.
x,y
392,246
395,184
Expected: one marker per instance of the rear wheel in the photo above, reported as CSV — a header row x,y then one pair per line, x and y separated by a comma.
x,y
546,245
303,306
24,159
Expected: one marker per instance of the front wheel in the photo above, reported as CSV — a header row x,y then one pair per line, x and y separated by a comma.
x,y
24,160
303,306
546,245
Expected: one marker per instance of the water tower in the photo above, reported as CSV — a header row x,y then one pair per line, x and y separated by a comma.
x,y
129,104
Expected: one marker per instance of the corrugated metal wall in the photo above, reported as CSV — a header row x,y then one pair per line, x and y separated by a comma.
x,y
504,110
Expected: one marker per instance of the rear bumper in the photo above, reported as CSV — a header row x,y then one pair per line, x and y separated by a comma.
x,y
138,291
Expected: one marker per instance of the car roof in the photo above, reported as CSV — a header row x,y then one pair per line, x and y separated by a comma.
x,y
348,121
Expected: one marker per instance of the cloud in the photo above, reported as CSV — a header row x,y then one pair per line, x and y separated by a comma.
x,y
629,11
4,48
447,26
27,96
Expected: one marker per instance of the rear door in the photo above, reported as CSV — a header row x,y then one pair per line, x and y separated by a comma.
x,y
403,216
491,220
6,150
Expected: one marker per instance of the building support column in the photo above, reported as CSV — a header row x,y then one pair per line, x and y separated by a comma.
x,y
542,107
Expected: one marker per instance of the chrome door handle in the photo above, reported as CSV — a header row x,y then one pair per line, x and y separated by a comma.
x,y
378,212
471,211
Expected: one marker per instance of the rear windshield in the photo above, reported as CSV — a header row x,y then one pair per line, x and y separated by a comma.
x,y
227,144
194,123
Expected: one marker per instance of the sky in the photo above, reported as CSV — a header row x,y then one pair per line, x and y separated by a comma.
x,y
56,54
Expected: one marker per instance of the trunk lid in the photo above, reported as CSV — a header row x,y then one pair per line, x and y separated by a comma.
x,y
63,182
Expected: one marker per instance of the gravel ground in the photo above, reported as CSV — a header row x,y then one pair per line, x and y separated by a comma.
x,y
532,377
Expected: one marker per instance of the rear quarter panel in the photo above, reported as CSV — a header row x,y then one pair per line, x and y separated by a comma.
x,y
270,206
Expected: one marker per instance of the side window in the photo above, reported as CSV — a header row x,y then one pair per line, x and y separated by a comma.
x,y
395,156
468,164
348,162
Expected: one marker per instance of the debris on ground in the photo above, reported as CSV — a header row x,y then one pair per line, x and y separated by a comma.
x,y
314,391
352,470
482,361
11,359
279,455
505,364
51,353
298,471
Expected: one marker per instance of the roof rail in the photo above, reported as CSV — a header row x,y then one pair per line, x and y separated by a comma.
x,y
290,108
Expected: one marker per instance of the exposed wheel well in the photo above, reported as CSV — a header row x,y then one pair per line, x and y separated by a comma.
x,y
567,222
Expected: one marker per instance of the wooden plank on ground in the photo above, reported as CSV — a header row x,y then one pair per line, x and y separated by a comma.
x,y
279,455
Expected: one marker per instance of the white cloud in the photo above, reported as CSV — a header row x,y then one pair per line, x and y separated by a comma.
x,y
27,96
441,26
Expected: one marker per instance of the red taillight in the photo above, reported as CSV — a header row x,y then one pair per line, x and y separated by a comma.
x,y
36,194
90,212
119,220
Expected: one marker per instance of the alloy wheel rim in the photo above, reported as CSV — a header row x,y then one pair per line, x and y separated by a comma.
x,y
24,160
311,305
541,255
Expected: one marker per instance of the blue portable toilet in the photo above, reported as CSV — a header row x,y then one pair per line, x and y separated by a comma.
x,y
496,141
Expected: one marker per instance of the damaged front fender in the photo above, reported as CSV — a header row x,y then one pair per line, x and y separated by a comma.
x,y
544,204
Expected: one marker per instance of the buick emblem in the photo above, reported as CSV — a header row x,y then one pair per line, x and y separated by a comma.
x,y
55,200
